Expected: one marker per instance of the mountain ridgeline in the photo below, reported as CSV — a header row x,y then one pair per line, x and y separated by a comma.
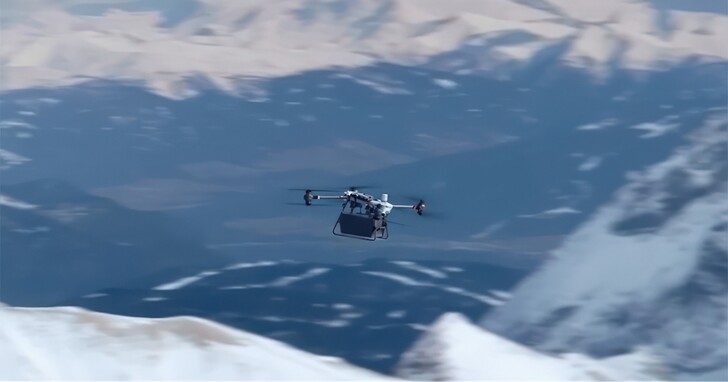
x,y
649,269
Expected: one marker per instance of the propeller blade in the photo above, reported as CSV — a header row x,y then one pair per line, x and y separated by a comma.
x,y
312,205
395,223
352,188
426,212
313,190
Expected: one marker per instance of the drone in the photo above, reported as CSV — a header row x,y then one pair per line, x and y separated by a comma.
x,y
362,215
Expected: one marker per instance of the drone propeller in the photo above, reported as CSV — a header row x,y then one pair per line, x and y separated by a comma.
x,y
350,188
309,205
419,205
313,190
354,188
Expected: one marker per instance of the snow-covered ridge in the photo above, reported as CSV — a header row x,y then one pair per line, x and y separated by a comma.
x,y
226,44
100,346
455,349
648,269
72,343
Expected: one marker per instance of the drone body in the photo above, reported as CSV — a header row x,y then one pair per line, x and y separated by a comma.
x,y
362,215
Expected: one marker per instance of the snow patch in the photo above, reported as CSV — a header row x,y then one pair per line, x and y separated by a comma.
x,y
185,281
30,230
279,282
9,159
412,282
394,277
288,280
15,124
552,213
14,203
453,269
419,268
68,214
655,129
154,299
397,314
503,295
598,125
250,265
95,295
489,231
445,83
351,315
325,323
590,164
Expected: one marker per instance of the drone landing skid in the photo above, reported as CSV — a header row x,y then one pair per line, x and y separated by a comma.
x,y
360,226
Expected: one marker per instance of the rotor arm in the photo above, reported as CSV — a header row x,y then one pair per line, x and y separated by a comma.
x,y
309,196
419,207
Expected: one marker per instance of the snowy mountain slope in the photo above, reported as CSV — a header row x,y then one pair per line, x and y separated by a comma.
x,y
226,43
72,343
455,349
649,268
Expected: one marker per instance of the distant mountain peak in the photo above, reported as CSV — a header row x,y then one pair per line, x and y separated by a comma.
x,y
225,41
455,349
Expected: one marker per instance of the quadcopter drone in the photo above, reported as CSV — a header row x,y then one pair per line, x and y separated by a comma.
x,y
362,215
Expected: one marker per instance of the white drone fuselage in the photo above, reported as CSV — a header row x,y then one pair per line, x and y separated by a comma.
x,y
379,207
382,204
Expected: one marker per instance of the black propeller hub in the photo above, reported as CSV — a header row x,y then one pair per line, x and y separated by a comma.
x,y
420,207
